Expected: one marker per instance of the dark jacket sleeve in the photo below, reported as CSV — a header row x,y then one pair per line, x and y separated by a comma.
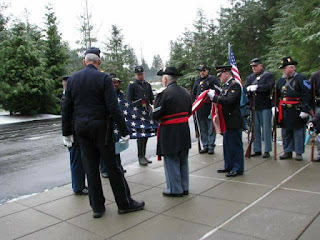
x,y
67,111
159,107
129,93
306,94
267,84
234,94
111,102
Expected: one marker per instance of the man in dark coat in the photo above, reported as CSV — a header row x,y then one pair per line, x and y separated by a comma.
x,y
259,85
91,99
76,167
229,98
294,91
173,107
207,132
139,92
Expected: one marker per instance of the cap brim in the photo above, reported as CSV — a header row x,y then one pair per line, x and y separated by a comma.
x,y
255,64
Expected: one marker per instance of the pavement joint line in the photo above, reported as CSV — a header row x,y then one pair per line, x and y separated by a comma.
x,y
315,217
299,190
38,230
253,203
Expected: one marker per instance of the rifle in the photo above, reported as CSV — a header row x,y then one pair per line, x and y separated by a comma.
x,y
253,113
274,130
196,128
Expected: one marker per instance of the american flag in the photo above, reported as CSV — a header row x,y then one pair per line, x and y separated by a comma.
x,y
232,61
137,119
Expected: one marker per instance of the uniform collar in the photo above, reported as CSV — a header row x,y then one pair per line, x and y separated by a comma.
x,y
91,66
140,82
228,82
260,73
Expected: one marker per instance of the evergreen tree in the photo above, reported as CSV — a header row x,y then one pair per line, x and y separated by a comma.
x,y
118,57
157,64
3,21
24,86
296,33
86,30
55,53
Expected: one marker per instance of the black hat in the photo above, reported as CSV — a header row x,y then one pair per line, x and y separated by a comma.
x,y
255,62
93,50
287,61
112,75
223,68
138,69
203,67
116,79
169,71
65,78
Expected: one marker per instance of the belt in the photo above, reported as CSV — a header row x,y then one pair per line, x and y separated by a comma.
x,y
176,118
287,102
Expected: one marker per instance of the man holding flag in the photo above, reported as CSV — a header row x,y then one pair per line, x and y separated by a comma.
x,y
229,98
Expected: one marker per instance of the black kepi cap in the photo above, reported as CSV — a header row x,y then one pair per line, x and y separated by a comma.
x,y
172,71
93,50
255,62
65,78
223,68
203,67
138,69
287,61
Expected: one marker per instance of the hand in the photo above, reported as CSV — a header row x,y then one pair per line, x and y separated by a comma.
x,y
310,125
68,140
252,88
124,140
274,110
304,115
211,93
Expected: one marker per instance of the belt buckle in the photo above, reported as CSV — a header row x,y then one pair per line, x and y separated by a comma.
x,y
289,105
284,99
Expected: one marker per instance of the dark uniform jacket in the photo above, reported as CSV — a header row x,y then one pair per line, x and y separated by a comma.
x,y
200,85
297,87
138,91
265,83
229,98
315,83
173,138
90,96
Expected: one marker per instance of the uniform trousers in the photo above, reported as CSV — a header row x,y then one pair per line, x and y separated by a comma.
x,y
233,150
76,167
92,136
317,110
262,123
207,132
176,170
142,145
293,140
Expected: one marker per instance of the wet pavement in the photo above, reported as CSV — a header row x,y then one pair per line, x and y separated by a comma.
x,y
272,200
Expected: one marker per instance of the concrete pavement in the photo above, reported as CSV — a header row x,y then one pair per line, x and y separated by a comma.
x,y
272,200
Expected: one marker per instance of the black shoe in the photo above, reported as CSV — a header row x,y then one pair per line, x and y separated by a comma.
x,y
205,150
186,192
134,206
104,175
233,174
166,194
147,160
84,191
299,157
266,155
256,154
98,214
211,151
223,171
286,155
142,161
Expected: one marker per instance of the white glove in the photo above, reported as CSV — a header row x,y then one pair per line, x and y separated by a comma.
x,y
310,125
124,140
211,93
252,88
68,140
274,110
304,115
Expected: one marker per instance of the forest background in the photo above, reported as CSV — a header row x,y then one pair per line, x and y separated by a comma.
x,y
34,59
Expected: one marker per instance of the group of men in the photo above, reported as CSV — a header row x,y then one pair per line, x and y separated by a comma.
x,y
90,109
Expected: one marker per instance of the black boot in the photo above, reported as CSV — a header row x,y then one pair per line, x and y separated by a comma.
x,y
286,155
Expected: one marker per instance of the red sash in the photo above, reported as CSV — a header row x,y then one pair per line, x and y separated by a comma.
x,y
178,118
288,100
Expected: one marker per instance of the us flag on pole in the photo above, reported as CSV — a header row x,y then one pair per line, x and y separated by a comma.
x,y
232,61
137,119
